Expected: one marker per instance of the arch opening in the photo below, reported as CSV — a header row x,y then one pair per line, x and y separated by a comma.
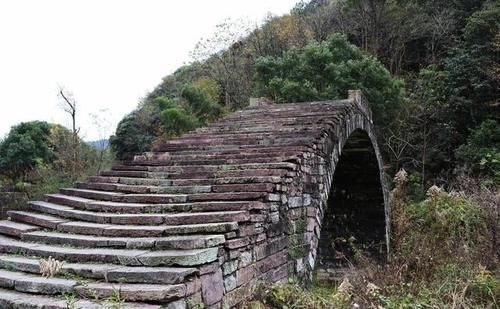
x,y
354,218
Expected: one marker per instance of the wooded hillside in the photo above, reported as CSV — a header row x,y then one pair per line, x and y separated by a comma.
x,y
429,68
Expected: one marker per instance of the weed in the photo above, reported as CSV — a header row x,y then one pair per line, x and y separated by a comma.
x,y
70,300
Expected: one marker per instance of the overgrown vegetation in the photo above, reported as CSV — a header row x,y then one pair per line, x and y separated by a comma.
x,y
446,257
37,157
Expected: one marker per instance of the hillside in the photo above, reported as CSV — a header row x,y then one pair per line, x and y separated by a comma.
x,y
434,52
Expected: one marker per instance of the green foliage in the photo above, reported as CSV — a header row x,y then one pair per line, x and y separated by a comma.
x,y
482,150
292,295
453,222
195,108
201,104
486,286
26,146
176,120
136,132
482,141
327,70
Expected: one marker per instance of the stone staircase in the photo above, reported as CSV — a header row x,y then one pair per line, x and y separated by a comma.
x,y
182,225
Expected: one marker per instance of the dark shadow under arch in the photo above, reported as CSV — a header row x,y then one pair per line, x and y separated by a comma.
x,y
354,217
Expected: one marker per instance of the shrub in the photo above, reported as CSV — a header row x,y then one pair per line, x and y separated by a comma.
x,y
481,153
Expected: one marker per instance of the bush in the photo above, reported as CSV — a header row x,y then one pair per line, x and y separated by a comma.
x,y
447,258
137,131
26,145
481,153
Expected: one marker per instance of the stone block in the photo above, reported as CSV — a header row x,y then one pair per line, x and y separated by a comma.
x,y
212,288
230,267
230,283
246,258
244,275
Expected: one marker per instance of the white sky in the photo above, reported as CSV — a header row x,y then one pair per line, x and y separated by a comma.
x,y
109,53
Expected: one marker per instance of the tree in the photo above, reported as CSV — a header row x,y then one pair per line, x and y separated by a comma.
x,y
69,106
175,118
327,70
136,132
103,127
26,146
195,108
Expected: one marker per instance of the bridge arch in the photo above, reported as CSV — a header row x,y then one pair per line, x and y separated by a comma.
x,y
344,199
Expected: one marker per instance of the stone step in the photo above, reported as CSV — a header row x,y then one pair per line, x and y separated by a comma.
x,y
12,228
10,299
218,161
103,206
303,142
107,206
23,282
37,219
188,189
150,243
176,169
105,272
139,219
228,150
226,196
227,180
133,292
163,198
129,180
233,177
128,198
221,155
127,257
28,283
88,228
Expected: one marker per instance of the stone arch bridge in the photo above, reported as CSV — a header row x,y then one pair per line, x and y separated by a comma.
x,y
265,193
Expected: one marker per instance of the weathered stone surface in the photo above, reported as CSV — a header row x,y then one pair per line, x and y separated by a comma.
x,y
237,243
230,267
133,292
36,219
165,275
271,261
19,264
16,229
183,258
244,275
212,288
236,296
41,285
246,258
271,247
230,283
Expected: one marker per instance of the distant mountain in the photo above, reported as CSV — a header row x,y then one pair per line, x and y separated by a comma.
x,y
99,144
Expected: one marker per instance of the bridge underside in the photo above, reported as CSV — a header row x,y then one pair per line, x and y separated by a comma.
x,y
354,220
204,217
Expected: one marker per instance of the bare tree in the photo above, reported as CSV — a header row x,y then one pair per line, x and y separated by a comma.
x,y
69,106
103,127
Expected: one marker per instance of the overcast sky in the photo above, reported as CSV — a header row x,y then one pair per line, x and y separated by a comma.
x,y
109,53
